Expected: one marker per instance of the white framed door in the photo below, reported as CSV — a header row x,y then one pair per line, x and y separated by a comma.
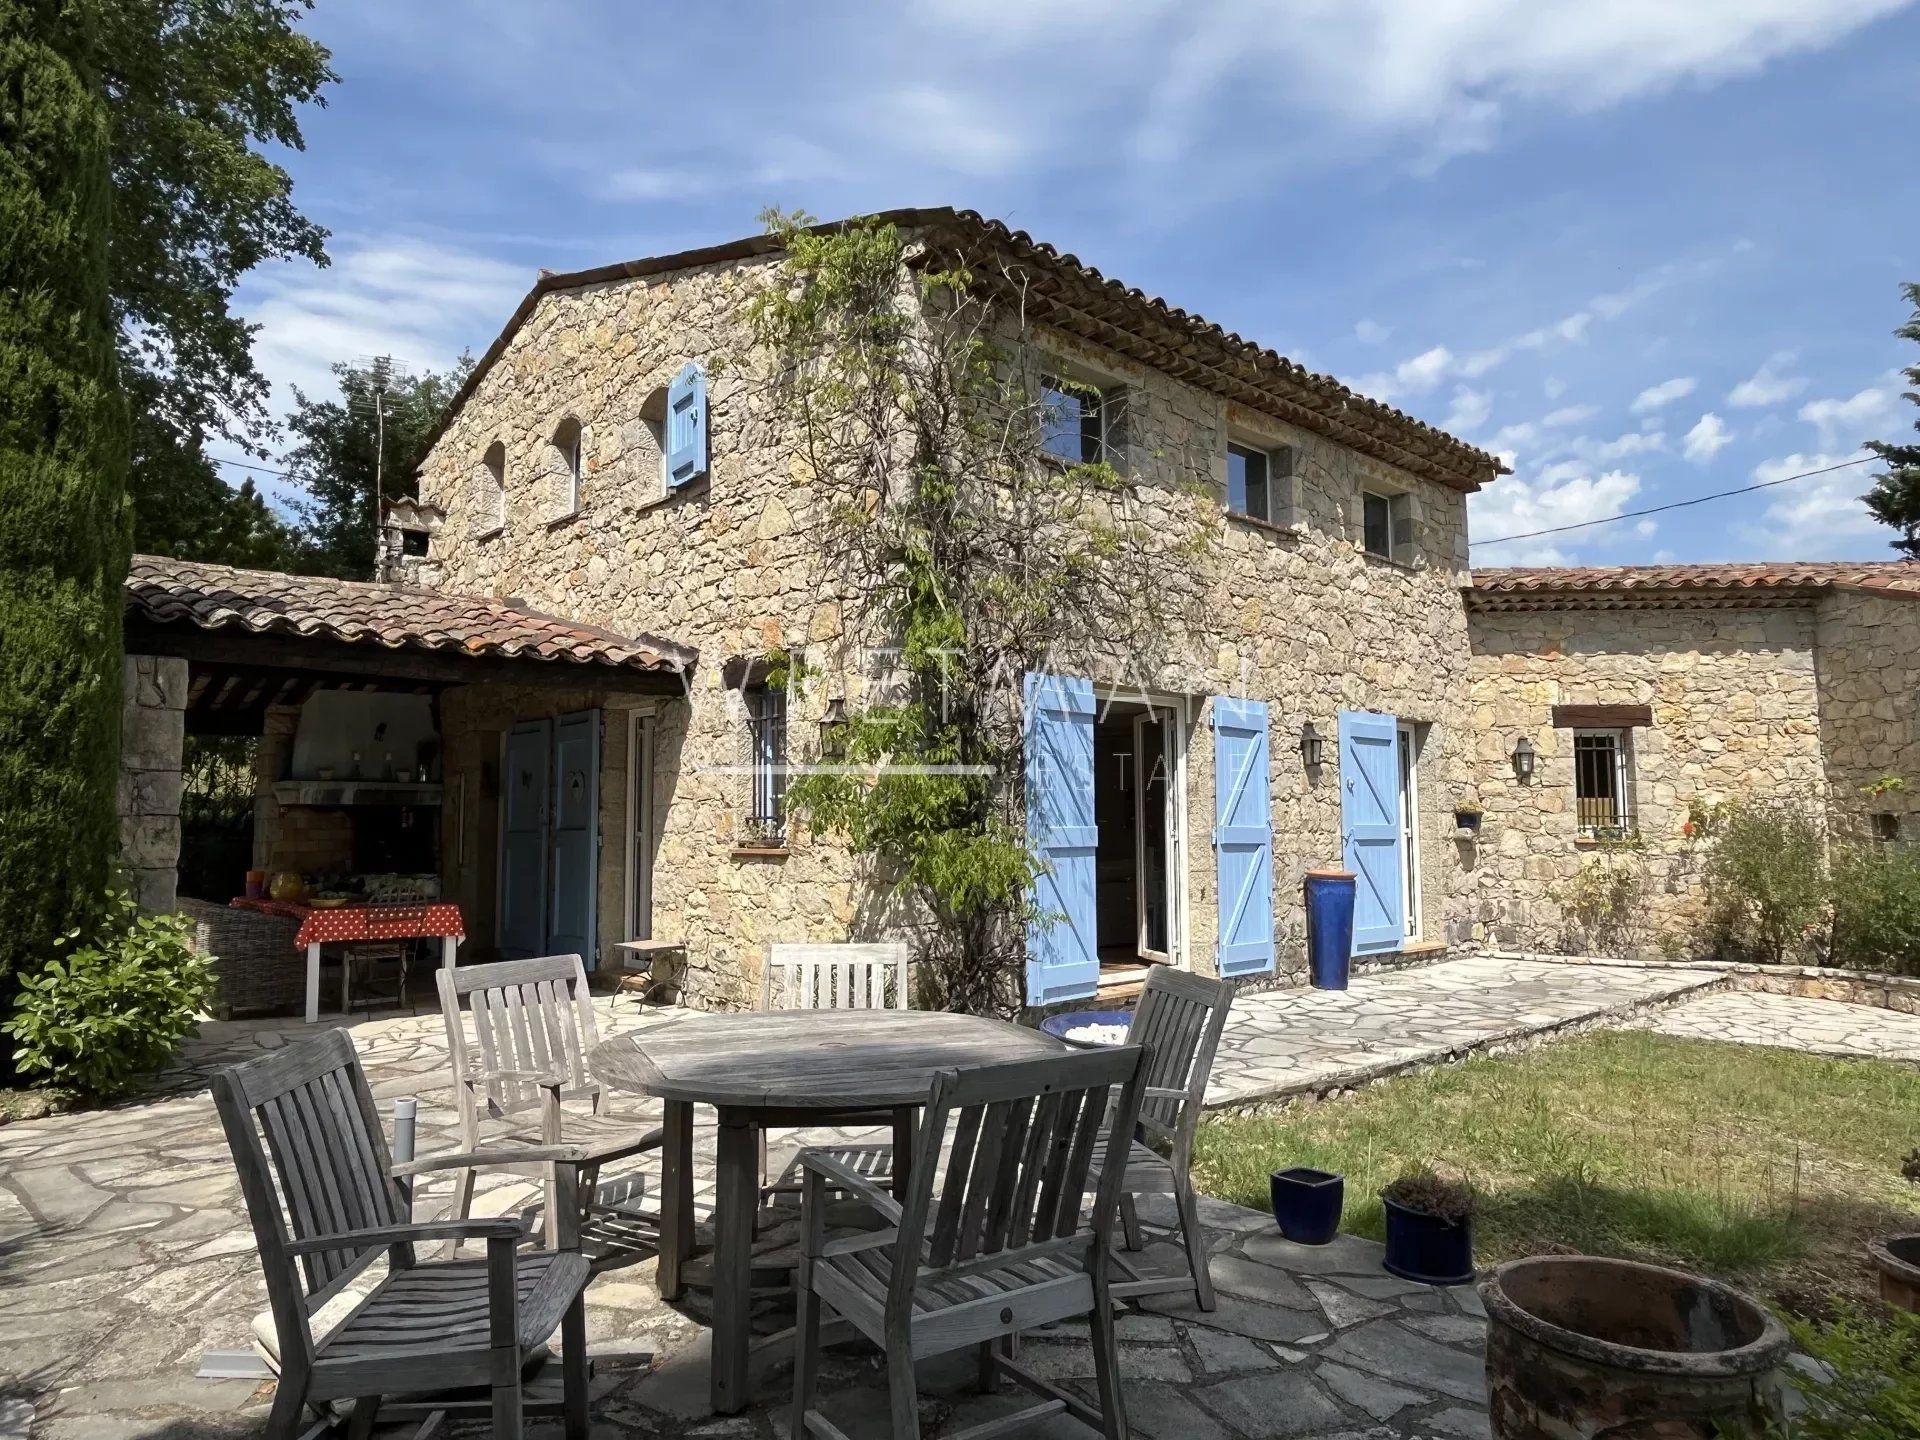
x,y
639,849
1159,889
1408,746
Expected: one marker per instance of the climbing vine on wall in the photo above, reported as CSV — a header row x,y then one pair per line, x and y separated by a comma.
x,y
961,551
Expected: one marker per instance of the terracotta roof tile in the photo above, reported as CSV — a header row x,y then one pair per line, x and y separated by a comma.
x,y
1108,313
1776,578
396,617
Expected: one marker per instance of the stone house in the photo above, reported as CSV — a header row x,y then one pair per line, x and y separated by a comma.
x,y
612,459
1645,692
1327,683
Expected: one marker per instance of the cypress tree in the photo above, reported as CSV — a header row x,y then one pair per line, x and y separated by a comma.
x,y
1895,497
63,458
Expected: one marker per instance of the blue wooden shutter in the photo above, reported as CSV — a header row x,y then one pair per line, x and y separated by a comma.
x,y
1063,954
1242,835
523,860
687,426
1370,827
576,835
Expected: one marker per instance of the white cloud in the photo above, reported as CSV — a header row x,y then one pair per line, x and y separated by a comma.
x,y
1870,414
1409,377
966,133
1658,397
1769,385
1558,495
1370,332
1708,437
1554,387
1634,442
1569,415
421,303
1818,518
1470,410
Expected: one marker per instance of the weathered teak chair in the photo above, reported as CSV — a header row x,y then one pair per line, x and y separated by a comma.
x,y
532,1031
1179,1018
325,1203
1001,1242
867,976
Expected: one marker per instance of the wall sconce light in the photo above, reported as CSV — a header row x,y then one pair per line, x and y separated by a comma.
x,y
833,731
1523,755
1313,749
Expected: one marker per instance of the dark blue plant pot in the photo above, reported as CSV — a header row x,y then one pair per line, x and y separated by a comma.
x,y
1423,1248
1329,927
1307,1204
1058,1025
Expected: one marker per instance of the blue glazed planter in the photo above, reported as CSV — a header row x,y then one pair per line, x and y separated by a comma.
x,y
1329,927
1426,1249
1058,1025
1307,1204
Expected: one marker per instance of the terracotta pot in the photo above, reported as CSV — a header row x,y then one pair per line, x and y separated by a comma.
x,y
1580,1347
1897,1258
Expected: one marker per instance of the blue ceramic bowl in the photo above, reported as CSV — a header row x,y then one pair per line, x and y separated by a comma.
x,y
1058,1025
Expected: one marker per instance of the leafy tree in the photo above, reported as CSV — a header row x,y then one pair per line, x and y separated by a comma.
x,y
197,90
333,458
1895,497
63,459
957,547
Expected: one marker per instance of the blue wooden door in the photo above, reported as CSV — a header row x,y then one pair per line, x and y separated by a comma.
x,y
1063,955
523,861
1242,835
576,835
1370,840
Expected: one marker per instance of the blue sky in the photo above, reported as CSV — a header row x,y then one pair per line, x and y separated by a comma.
x,y
1645,249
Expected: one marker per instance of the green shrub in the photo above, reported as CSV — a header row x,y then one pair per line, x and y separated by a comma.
x,y
1603,908
1872,1385
1766,882
1876,908
113,1009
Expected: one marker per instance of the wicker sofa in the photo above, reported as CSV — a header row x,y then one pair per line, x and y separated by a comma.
x,y
258,968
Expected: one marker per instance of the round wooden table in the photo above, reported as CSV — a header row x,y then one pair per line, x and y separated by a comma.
x,y
791,1069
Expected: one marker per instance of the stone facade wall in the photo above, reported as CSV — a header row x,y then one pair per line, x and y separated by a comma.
x,y
1869,656
1736,711
153,730
1300,616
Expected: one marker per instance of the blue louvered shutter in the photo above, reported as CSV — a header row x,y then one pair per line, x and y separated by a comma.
x,y
1063,954
1242,835
1370,828
687,426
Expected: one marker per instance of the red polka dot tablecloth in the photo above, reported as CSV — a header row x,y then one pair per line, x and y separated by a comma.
x,y
402,921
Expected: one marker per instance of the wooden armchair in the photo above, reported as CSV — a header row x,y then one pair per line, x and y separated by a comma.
x,y
430,1340
841,977
1179,1019
1001,1242
532,1031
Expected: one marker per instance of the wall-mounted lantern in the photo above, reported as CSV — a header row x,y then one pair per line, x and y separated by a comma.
x,y
1313,749
1523,756
833,731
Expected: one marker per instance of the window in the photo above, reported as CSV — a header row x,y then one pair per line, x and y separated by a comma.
x,y
570,463
1260,483
1078,420
1602,788
1386,525
767,743
649,437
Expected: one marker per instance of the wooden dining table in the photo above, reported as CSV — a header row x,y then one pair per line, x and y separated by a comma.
x,y
785,1069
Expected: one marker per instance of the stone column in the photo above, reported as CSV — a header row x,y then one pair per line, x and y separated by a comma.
x,y
153,732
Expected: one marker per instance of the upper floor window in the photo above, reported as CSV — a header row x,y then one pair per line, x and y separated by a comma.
x,y
1079,420
1260,483
1602,788
570,463
1386,525
489,513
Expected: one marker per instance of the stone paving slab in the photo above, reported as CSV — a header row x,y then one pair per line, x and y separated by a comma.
x,y
1823,1027
1284,1043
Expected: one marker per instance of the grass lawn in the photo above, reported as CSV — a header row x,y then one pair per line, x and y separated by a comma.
x,y
1765,1167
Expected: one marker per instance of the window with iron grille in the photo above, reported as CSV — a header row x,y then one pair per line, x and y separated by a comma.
x,y
767,742
1602,789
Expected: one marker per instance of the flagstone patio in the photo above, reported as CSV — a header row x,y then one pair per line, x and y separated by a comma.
x,y
124,1252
